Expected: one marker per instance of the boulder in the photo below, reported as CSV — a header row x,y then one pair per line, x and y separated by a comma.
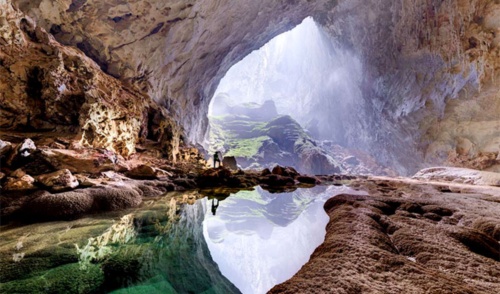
x,y
214,177
265,172
60,180
285,171
275,180
83,161
230,163
22,153
308,180
144,171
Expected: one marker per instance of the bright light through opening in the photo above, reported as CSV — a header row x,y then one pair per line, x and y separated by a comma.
x,y
300,73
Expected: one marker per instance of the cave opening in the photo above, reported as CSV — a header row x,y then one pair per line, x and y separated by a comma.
x,y
287,103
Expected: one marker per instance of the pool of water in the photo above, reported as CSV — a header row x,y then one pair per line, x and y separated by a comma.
x,y
247,242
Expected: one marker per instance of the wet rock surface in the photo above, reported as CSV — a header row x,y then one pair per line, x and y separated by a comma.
x,y
406,236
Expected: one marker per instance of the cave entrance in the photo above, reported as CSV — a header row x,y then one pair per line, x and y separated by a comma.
x,y
285,103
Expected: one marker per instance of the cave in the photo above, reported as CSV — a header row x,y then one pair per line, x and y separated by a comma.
x,y
396,101
300,74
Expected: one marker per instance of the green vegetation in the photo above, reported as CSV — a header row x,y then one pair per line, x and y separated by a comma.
x,y
63,279
245,147
238,135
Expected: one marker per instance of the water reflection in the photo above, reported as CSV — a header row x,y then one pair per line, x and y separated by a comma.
x,y
259,239
173,244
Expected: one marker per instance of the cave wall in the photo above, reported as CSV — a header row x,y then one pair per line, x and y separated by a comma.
x,y
421,59
176,51
48,87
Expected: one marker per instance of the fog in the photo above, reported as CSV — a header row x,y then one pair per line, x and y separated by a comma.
x,y
306,76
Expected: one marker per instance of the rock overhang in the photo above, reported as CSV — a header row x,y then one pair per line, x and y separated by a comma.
x,y
416,57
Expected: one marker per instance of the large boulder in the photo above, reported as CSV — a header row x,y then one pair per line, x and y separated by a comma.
x,y
60,180
230,162
83,161
214,177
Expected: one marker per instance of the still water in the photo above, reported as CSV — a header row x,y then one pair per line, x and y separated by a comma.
x,y
247,242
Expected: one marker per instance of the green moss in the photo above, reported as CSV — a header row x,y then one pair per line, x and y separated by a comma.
x,y
245,147
63,279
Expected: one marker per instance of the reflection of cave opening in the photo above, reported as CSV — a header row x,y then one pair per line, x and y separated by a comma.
x,y
286,104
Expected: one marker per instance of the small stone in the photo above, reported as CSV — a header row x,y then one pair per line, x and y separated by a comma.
x,y
26,148
142,171
85,181
60,180
22,152
25,183
5,147
57,145
18,173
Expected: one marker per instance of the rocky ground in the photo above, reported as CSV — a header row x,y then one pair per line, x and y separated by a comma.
x,y
51,177
407,236
436,233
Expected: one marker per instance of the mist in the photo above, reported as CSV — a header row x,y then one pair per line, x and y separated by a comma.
x,y
306,76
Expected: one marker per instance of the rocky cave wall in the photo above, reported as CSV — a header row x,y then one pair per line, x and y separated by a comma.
x,y
429,95
422,60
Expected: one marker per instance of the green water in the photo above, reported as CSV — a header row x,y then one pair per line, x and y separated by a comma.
x,y
177,243
158,248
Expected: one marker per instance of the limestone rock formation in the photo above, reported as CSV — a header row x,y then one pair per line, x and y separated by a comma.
x,y
58,181
406,237
57,88
428,69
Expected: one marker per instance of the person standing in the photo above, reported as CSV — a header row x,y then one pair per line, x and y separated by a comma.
x,y
217,158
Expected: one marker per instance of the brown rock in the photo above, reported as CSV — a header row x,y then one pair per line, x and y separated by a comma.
x,y
18,173
24,183
71,204
144,171
5,148
308,180
86,182
214,177
230,162
265,172
275,180
60,180
285,171
22,153
85,161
